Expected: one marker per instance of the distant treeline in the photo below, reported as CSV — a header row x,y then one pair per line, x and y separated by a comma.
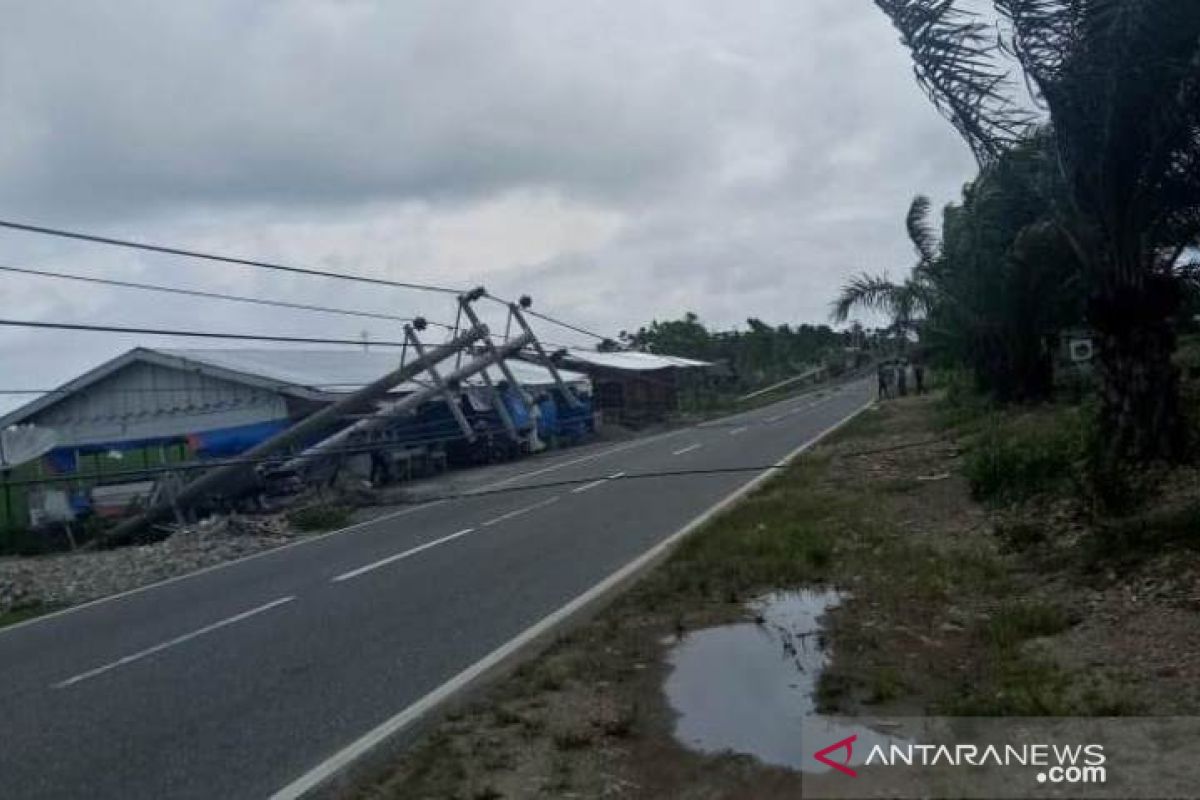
x,y
760,354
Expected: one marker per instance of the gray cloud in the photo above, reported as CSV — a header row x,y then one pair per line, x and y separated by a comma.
x,y
618,160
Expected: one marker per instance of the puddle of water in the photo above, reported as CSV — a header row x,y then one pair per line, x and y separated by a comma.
x,y
748,687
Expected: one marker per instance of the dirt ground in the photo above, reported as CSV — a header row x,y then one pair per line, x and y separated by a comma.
x,y
952,608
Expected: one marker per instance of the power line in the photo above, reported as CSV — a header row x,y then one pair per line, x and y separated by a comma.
x,y
554,321
567,325
366,448
152,287
179,251
247,262
66,326
277,458
202,390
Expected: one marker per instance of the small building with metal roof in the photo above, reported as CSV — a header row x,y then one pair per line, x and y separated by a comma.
x,y
636,388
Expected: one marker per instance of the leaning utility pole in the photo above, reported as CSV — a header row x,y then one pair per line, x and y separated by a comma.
x,y
388,415
243,472
514,311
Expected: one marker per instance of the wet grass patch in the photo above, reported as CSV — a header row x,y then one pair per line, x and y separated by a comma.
x,y
18,615
317,518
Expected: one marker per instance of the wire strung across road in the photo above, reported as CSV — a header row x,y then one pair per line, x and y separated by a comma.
x,y
360,449
269,265
246,262
492,430
569,326
153,287
68,326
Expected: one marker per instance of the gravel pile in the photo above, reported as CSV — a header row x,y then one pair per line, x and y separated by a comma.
x,y
67,579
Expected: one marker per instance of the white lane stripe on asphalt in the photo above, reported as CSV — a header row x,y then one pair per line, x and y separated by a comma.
x,y
687,449
736,431
319,775
518,512
223,565
383,562
158,648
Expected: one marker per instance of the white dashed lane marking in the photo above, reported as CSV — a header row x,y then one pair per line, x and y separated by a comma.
x,y
178,640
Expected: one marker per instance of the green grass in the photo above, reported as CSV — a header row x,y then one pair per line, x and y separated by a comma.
x,y
319,518
1016,623
781,536
22,614
1017,456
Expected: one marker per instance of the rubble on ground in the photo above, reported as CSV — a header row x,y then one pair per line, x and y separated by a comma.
x,y
71,578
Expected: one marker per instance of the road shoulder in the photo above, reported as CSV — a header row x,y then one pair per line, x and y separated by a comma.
x,y
941,616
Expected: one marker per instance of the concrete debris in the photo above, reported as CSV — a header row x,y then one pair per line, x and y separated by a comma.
x,y
71,578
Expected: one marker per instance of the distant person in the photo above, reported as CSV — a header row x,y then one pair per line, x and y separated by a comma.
x,y
883,373
901,378
919,377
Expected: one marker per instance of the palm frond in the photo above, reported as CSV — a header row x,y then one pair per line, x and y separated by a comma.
x,y
920,232
870,292
957,61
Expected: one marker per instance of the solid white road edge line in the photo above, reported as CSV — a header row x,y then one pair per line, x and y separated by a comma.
x,y
736,431
158,648
331,766
222,565
518,512
687,449
383,562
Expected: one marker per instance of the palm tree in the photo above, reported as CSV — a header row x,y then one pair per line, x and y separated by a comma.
x,y
907,302
1006,279
1118,85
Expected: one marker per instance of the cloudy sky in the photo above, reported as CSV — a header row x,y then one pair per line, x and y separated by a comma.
x,y
619,160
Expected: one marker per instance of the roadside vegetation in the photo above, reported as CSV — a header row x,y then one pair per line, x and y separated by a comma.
x,y
1083,221
965,595
22,613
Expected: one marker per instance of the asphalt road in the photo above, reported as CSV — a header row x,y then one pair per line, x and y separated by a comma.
x,y
238,681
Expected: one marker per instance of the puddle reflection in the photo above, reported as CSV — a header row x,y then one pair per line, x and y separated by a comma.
x,y
748,687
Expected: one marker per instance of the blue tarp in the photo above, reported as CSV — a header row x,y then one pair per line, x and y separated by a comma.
x,y
214,443
234,441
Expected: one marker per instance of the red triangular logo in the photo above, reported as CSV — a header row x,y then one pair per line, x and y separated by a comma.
x,y
846,744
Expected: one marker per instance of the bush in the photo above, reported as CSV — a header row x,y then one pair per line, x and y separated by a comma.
x,y
1149,532
961,407
1014,459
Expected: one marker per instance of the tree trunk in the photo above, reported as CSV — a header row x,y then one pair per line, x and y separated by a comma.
x,y
1140,413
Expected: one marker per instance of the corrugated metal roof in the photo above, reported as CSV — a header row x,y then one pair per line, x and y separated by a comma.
x,y
632,360
343,371
311,374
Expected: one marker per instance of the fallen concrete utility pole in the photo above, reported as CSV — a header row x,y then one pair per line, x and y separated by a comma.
x,y
244,472
338,441
443,388
464,302
515,311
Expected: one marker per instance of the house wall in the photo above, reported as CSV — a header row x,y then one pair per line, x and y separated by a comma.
x,y
149,401
635,398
